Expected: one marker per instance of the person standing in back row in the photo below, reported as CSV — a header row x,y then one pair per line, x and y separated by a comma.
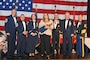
x,y
10,29
55,32
22,34
45,26
68,33
32,28
79,35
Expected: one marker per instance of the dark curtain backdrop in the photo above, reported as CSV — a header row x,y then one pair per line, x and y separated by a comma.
x,y
88,19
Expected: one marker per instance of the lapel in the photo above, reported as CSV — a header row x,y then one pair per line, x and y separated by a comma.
x,y
64,23
80,24
33,25
22,25
68,23
12,19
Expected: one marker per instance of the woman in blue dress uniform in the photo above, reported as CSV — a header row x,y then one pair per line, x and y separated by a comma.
x,y
32,35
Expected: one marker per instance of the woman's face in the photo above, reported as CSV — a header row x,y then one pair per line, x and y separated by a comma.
x,y
33,17
46,16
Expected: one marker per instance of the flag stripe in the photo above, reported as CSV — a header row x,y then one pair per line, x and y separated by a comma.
x,y
2,18
2,22
60,11
2,28
59,7
74,3
73,0
62,0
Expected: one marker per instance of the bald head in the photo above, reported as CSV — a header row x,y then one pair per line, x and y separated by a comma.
x,y
13,12
67,15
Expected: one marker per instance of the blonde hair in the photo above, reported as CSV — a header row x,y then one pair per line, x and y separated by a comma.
x,y
44,17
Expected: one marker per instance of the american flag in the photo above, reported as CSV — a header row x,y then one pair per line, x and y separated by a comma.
x,y
28,7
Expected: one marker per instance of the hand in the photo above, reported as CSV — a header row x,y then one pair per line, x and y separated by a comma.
x,y
8,34
72,35
61,35
80,37
25,32
55,42
33,34
47,26
75,36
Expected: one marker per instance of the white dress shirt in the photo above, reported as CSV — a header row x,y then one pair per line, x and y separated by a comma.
x,y
15,21
66,23
34,24
78,24
24,25
55,23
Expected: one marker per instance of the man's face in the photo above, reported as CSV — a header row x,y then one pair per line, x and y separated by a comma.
x,y
67,15
56,15
13,12
22,17
80,17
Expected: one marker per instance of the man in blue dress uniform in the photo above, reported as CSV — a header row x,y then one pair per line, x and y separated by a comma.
x,y
55,33
22,34
67,35
10,28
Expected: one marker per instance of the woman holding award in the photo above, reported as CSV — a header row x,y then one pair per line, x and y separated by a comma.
x,y
45,26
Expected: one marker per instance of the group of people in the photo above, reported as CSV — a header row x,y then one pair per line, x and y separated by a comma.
x,y
46,29
22,30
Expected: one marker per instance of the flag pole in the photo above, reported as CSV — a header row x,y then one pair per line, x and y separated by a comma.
x,y
36,7
73,38
74,13
55,8
59,36
36,12
36,23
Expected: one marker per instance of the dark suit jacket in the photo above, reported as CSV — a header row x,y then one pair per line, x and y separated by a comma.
x,y
30,27
70,27
80,28
20,27
58,25
10,25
